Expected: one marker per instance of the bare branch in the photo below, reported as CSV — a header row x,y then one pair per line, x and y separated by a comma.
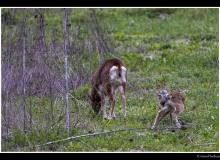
x,y
90,134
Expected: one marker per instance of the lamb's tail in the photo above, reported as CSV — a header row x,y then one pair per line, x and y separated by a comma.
x,y
119,70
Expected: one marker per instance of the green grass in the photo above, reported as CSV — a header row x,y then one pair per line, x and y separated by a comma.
x,y
184,47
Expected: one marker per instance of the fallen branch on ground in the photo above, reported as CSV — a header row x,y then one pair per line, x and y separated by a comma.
x,y
89,134
205,144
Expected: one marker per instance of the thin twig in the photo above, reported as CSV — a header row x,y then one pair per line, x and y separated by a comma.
x,y
89,134
204,144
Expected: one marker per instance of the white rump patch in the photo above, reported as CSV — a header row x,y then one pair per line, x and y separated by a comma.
x,y
123,74
113,68
114,74
123,68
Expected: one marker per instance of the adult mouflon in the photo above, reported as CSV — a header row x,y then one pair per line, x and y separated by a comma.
x,y
109,77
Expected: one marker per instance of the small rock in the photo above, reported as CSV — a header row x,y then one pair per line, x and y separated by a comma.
x,y
131,139
91,131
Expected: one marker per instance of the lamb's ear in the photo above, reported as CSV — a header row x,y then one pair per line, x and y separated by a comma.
x,y
183,98
158,94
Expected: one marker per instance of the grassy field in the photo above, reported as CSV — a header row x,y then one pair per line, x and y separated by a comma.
x,y
172,48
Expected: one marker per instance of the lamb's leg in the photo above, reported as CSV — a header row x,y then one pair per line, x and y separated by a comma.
x,y
171,120
161,113
174,116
